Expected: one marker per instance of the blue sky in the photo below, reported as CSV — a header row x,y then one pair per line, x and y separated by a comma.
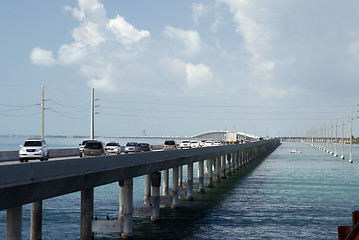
x,y
178,67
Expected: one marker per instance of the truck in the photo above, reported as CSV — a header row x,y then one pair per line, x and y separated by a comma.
x,y
231,137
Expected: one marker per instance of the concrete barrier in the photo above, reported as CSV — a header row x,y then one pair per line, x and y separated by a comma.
x,y
6,156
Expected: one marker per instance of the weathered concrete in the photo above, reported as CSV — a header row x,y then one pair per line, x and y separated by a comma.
x,y
189,189
36,221
14,223
127,231
201,177
86,213
156,183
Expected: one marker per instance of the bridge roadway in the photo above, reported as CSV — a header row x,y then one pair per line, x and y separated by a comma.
x,y
32,182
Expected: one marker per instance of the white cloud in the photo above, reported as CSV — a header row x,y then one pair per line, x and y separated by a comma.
x,y
198,10
74,53
189,41
200,79
353,48
88,9
88,34
42,57
125,32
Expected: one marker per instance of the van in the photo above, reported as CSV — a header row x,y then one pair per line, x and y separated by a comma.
x,y
169,145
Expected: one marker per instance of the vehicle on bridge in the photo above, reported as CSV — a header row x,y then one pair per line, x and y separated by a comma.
x,y
82,145
194,144
208,143
132,147
145,147
217,143
185,144
169,145
93,148
34,149
113,147
202,142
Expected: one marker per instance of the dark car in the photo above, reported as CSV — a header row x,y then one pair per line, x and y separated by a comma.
x,y
132,147
93,148
145,147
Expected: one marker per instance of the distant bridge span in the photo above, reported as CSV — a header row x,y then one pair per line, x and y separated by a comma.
x,y
221,135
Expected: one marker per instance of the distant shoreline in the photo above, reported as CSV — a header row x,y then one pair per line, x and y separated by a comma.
x,y
85,137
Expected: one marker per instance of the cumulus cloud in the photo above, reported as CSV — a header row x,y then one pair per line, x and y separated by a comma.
x,y
199,10
201,79
125,32
110,52
88,34
189,41
42,57
72,53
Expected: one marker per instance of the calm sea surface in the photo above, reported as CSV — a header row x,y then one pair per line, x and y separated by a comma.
x,y
280,196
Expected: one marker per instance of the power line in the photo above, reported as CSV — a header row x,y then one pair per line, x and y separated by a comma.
x,y
69,117
214,112
224,106
68,106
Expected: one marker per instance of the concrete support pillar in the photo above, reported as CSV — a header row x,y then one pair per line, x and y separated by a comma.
x,y
121,207
156,183
217,177
180,176
87,196
201,177
14,223
240,159
228,170
165,182
36,221
223,167
247,156
175,199
233,163
210,173
147,190
127,230
189,196
237,161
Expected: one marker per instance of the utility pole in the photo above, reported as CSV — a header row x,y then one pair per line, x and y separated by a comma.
x,y
42,113
92,113
342,157
92,135
351,134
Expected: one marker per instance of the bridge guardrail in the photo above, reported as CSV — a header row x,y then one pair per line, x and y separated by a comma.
x,y
6,156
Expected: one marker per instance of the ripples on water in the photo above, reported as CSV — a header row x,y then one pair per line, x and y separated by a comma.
x,y
283,196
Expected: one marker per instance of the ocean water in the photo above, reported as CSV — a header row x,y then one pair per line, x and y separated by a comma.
x,y
279,196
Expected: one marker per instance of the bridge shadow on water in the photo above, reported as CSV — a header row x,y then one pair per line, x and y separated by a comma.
x,y
185,222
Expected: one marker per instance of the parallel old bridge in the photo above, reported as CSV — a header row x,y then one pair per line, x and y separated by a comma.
x,y
23,183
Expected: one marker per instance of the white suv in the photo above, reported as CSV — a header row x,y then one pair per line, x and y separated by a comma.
x,y
34,149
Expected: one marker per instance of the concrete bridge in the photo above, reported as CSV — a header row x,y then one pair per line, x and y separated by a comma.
x,y
23,183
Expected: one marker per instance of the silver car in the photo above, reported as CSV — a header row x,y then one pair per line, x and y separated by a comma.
x,y
34,149
132,147
113,147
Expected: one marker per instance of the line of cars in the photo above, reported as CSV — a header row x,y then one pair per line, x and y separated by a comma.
x,y
38,149
171,144
90,147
